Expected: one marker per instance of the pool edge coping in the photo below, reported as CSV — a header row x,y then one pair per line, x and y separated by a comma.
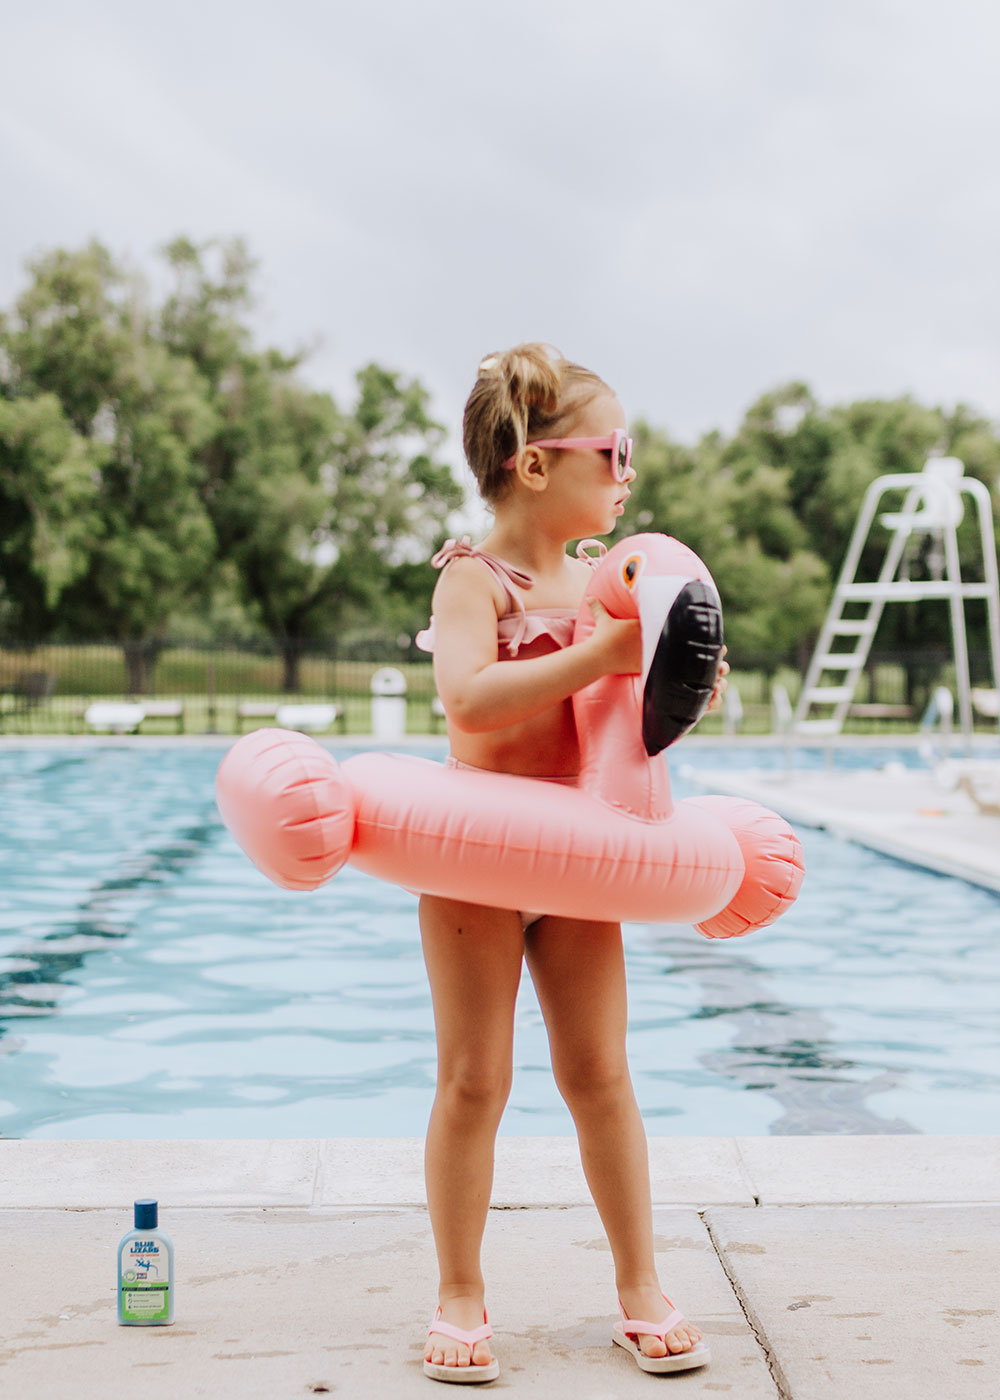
x,y
532,1173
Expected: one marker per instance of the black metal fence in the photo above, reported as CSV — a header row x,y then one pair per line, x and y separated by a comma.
x,y
201,687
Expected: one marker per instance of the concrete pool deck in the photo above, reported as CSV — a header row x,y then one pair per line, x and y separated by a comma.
x,y
910,814
816,1267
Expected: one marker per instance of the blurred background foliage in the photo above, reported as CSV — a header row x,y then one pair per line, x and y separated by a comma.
x,y
163,476
160,473
772,508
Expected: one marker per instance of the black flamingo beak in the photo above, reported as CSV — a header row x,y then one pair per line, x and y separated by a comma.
x,y
681,622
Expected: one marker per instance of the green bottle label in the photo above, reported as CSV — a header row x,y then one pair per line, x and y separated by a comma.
x,y
144,1302
144,1285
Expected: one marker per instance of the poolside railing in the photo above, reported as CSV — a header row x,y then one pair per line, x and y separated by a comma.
x,y
48,688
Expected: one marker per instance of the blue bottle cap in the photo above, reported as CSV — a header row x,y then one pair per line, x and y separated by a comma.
x,y
145,1215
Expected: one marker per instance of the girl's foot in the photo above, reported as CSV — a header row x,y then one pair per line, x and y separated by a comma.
x,y
465,1311
647,1302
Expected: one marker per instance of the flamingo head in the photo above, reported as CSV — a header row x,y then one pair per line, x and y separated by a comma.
x,y
668,588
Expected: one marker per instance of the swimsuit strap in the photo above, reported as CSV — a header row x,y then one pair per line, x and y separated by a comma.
x,y
505,574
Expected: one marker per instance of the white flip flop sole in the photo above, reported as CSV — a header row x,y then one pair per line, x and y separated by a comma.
x,y
463,1375
699,1355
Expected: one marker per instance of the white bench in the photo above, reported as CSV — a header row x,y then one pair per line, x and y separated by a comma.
x,y
309,718
866,710
114,717
255,709
165,709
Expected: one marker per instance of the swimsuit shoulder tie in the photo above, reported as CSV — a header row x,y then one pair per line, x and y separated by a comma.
x,y
505,574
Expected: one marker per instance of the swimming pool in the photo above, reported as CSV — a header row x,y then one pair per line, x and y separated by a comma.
x,y
152,984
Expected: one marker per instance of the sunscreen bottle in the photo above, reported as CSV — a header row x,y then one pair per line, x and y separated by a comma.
x,y
145,1272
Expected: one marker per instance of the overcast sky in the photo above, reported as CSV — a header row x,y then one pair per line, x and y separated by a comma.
x,y
698,200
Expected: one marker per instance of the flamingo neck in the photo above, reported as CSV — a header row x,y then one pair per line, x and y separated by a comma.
x,y
614,765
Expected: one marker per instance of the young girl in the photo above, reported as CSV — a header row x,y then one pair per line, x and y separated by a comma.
x,y
539,434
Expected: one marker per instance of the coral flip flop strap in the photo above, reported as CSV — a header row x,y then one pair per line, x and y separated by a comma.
x,y
632,1326
458,1334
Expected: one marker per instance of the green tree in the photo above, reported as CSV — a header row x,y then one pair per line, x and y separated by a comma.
x,y
48,503
70,332
678,490
83,335
155,548
81,338
203,317
319,510
846,449
148,452
771,510
734,510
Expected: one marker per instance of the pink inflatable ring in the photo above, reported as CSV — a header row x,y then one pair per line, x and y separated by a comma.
x,y
615,847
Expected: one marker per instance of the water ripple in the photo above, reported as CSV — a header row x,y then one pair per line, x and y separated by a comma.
x,y
153,984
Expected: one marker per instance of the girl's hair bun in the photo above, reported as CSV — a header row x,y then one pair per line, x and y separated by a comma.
x,y
520,394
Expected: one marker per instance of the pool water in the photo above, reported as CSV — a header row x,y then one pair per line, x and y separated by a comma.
x,y
153,984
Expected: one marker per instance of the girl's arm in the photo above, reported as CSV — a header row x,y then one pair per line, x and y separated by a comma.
x,y
479,691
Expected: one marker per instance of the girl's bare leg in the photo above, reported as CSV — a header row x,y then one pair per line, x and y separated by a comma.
x,y
473,958
578,970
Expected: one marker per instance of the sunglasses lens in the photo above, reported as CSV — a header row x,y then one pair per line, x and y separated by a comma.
x,y
621,460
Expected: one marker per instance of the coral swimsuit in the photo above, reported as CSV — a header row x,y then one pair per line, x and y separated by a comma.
x,y
516,628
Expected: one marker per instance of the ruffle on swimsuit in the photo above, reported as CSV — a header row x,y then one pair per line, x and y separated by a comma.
x,y
518,626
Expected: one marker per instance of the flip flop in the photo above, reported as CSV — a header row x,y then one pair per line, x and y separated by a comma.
x,y
462,1375
631,1327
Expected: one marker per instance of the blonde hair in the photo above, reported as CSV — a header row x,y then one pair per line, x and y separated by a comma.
x,y
520,394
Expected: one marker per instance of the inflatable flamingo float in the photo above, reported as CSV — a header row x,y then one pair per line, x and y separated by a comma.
x,y
614,847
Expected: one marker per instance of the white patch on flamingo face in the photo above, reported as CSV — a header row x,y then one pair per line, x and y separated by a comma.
x,y
655,596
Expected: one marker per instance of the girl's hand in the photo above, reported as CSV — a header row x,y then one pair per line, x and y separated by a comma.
x,y
619,641
720,684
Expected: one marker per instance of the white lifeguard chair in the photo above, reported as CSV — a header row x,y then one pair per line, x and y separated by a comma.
x,y
933,505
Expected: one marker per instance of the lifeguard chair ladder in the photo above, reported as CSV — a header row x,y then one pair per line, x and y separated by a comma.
x,y
933,504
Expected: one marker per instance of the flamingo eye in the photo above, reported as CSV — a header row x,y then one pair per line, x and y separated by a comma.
x,y
632,568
